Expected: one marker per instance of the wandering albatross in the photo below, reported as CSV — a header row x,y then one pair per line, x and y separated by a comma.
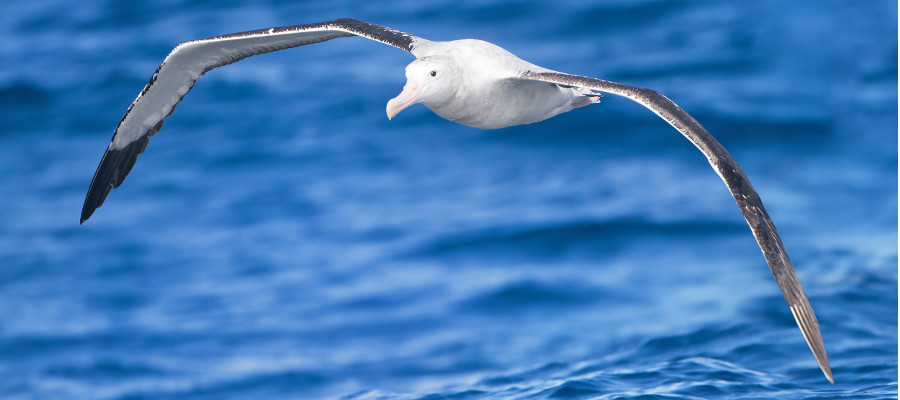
x,y
472,82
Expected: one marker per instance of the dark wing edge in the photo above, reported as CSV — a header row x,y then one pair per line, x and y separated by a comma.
x,y
113,168
119,158
746,197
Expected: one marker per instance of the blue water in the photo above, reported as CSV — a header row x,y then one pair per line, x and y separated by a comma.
x,y
281,239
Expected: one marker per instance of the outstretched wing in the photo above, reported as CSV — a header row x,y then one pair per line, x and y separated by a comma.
x,y
190,60
744,194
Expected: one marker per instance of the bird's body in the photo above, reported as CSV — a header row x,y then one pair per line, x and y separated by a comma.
x,y
525,103
490,94
472,82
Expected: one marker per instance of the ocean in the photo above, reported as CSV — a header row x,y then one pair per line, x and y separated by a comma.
x,y
282,239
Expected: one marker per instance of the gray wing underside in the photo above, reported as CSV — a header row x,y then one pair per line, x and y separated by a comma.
x,y
744,194
186,63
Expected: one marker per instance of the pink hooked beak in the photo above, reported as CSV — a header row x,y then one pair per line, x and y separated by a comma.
x,y
406,98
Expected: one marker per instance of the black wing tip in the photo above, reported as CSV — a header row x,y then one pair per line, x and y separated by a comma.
x,y
113,168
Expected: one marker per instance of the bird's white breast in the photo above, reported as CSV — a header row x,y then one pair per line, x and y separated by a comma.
x,y
506,102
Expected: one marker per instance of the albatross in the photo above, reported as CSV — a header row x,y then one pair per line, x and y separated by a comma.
x,y
468,81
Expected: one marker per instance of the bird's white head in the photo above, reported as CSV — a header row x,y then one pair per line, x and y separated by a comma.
x,y
429,80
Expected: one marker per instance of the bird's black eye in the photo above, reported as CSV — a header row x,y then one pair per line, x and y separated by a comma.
x,y
433,73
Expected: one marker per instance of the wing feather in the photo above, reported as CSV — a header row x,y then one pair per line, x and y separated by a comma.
x,y
186,63
746,197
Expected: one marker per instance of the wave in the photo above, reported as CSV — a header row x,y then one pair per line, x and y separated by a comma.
x,y
559,238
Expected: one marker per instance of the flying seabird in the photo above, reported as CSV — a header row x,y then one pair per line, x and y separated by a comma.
x,y
472,82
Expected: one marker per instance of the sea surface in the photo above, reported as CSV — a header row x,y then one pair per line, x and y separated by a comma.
x,y
282,239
